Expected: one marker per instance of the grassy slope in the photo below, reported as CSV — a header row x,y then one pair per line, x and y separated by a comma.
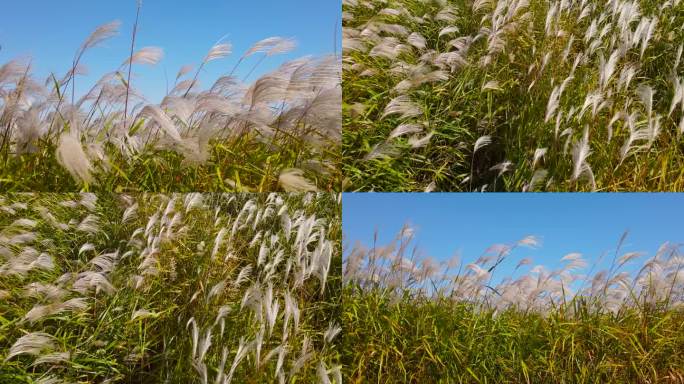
x,y
279,133
458,111
237,165
408,318
106,343
416,340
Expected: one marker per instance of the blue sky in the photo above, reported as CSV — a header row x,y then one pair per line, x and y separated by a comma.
x,y
590,224
50,32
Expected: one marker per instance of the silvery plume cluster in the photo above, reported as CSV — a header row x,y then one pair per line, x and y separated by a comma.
x,y
594,87
178,288
296,103
628,278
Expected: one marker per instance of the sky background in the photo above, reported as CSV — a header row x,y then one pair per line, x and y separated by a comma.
x,y
590,224
49,32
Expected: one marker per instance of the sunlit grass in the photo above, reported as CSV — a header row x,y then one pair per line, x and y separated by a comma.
x,y
410,319
570,95
183,288
278,132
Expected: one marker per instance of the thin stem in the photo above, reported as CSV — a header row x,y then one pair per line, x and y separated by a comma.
x,y
130,64
236,66
194,79
254,67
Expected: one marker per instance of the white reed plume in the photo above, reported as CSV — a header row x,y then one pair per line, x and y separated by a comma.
x,y
293,180
402,105
146,55
31,344
481,142
40,311
71,156
580,152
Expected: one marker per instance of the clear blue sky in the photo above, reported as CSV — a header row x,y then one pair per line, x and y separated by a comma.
x,y
51,31
586,223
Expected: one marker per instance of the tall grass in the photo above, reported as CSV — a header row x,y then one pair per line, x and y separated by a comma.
x,y
560,95
408,318
278,132
182,288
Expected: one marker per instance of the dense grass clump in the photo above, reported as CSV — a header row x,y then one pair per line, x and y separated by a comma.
x,y
193,288
513,95
278,132
409,319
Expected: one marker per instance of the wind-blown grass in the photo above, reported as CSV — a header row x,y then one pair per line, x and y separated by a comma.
x,y
410,319
194,288
571,95
230,136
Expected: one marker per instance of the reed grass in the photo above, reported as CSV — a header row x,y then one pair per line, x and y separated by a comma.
x,y
279,132
410,319
568,95
181,288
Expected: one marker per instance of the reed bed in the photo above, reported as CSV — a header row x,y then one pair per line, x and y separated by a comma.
x,y
408,318
280,132
513,95
182,288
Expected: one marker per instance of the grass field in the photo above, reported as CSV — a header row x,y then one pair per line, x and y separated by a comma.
x,y
411,319
280,132
513,95
183,288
